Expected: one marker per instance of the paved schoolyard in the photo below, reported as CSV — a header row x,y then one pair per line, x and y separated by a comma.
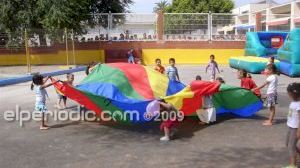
x,y
231,142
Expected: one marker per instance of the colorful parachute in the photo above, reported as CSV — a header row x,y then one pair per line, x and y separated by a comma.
x,y
129,89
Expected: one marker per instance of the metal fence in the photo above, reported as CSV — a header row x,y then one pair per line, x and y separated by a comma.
x,y
186,26
202,27
121,27
144,27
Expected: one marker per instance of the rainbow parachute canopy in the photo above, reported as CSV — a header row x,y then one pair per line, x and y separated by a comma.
x,y
129,89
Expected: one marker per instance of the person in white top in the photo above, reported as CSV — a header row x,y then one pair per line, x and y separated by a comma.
x,y
207,114
272,83
293,119
39,84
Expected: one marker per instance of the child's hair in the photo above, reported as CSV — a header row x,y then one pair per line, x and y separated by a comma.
x,y
244,73
294,90
90,65
198,77
36,80
69,75
212,56
221,80
172,59
157,59
272,58
273,69
162,100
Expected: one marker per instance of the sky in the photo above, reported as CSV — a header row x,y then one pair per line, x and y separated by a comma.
x,y
146,6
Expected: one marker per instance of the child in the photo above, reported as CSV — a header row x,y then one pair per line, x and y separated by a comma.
x,y
293,119
70,79
130,57
198,77
247,82
140,61
272,83
271,61
159,67
39,85
90,67
212,67
169,125
220,79
207,114
172,71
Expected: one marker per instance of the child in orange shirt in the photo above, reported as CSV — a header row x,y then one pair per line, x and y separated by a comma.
x,y
159,67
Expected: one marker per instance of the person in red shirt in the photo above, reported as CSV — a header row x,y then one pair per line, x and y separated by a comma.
x,y
159,67
247,82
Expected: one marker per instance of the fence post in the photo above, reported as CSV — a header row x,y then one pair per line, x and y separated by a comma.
x,y
210,26
160,25
109,24
67,48
28,60
73,48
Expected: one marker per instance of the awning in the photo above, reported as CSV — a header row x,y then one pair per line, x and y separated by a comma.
x,y
239,27
226,28
280,21
297,20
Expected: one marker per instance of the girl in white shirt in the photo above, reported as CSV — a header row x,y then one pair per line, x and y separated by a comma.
x,y
39,85
272,83
293,119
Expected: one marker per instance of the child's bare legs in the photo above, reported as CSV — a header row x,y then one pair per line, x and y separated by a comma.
x,y
65,102
43,126
58,103
271,117
167,132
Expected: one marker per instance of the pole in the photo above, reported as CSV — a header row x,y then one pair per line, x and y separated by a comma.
x,y
73,48
210,26
28,61
67,49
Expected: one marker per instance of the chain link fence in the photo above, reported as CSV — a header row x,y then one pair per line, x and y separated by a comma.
x,y
143,27
184,26
133,27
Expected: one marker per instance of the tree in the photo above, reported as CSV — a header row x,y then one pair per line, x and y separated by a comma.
x,y
162,5
201,6
52,15
187,23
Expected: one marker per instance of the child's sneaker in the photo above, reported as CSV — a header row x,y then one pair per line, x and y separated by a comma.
x,y
165,138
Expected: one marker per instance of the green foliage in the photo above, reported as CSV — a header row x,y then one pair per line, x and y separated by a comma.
x,y
201,6
187,23
52,16
162,5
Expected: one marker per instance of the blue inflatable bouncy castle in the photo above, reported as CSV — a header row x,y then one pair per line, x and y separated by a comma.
x,y
289,54
264,44
261,45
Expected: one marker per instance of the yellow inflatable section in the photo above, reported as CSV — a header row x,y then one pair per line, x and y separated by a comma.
x,y
81,57
189,56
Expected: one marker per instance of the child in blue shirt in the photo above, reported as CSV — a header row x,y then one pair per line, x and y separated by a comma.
x,y
172,71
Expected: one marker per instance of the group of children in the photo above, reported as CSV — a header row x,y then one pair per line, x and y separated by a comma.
x,y
207,114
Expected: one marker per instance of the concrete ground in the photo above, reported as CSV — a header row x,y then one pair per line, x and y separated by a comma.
x,y
231,142
16,71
